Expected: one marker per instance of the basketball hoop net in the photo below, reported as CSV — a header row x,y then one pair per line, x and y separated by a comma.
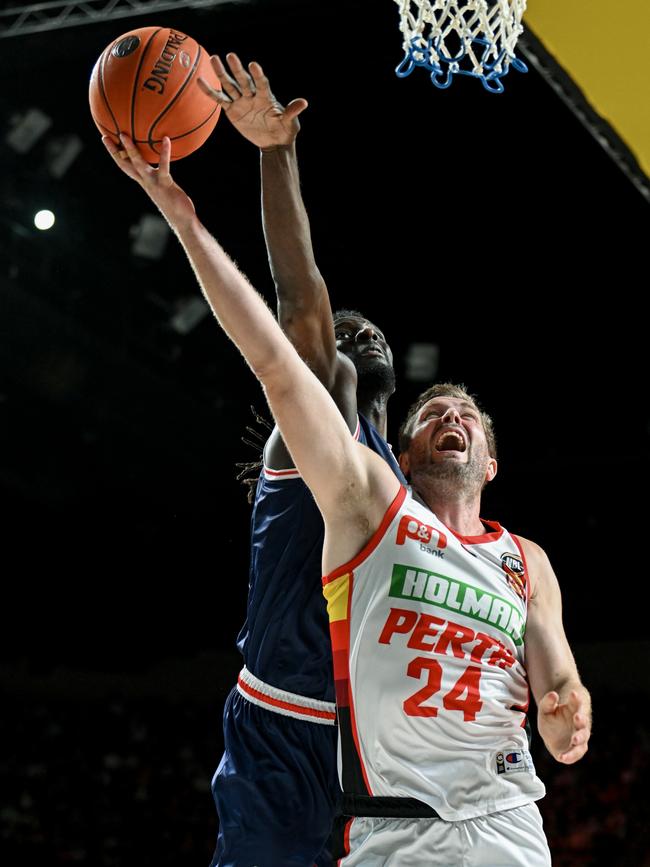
x,y
461,37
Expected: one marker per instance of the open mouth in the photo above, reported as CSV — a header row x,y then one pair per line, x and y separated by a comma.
x,y
450,441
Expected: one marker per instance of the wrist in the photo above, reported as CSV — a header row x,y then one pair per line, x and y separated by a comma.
x,y
187,227
279,149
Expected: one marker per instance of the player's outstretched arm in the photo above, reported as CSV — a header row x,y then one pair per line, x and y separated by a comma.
x,y
352,485
303,302
563,703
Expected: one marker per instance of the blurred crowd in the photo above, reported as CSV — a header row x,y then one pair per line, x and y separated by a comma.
x,y
597,812
107,785
127,782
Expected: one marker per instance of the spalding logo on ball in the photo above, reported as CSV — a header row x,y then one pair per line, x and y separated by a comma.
x,y
145,84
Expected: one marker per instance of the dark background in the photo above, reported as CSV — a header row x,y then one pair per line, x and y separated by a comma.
x,y
492,226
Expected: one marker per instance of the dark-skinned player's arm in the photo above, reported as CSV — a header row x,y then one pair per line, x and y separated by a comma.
x,y
304,309
563,703
351,484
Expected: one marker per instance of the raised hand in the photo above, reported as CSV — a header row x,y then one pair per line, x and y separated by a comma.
x,y
173,202
250,106
565,728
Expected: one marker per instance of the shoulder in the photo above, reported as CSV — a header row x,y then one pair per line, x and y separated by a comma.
x,y
370,437
533,552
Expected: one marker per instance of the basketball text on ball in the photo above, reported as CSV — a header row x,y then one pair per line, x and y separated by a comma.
x,y
144,83
159,74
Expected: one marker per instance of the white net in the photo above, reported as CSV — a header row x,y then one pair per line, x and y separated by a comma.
x,y
461,37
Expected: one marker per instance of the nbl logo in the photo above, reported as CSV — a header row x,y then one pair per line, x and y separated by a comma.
x,y
513,566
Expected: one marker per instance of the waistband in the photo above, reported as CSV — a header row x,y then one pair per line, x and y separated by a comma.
x,y
286,703
386,808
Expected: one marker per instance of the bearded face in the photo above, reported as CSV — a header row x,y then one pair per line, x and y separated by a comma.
x,y
468,476
375,378
448,448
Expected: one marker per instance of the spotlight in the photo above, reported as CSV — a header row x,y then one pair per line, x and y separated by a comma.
x,y
44,220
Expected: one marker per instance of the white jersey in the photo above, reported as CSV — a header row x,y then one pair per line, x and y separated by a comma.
x,y
427,631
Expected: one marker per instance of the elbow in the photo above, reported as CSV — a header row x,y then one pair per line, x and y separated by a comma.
x,y
271,370
298,289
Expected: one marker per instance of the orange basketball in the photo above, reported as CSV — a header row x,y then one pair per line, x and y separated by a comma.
x,y
145,85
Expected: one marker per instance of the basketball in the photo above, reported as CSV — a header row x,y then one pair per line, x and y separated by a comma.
x,y
144,84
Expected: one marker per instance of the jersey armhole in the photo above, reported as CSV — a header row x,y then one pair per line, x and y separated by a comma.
x,y
374,540
291,472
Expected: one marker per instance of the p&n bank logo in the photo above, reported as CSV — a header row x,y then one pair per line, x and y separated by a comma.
x,y
431,540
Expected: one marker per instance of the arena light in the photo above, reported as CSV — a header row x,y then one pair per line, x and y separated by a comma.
x,y
44,220
61,152
421,362
189,312
26,129
149,237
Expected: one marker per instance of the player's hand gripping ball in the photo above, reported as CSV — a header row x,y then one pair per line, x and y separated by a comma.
x,y
145,84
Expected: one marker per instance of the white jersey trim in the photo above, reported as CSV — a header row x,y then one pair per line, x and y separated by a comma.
x,y
292,472
285,703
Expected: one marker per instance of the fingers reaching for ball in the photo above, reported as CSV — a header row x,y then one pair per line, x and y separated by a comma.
x,y
140,164
174,204
121,157
247,99
230,90
133,164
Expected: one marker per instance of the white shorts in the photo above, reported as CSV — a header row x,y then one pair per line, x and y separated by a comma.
x,y
512,838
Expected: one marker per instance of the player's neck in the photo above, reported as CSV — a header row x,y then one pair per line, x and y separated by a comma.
x,y
459,510
375,410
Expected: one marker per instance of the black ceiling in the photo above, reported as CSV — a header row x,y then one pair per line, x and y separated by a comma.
x,y
492,225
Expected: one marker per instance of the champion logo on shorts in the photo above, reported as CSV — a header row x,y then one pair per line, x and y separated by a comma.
x,y
509,761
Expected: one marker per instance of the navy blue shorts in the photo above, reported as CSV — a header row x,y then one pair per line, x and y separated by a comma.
x,y
276,789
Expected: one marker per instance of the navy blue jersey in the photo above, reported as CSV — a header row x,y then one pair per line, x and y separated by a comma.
x,y
276,787
285,639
